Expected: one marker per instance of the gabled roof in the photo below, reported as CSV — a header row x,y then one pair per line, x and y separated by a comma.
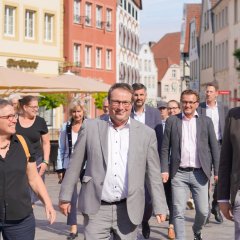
x,y
191,11
166,52
138,3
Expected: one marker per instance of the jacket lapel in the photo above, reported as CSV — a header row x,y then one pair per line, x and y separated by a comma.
x,y
179,129
103,136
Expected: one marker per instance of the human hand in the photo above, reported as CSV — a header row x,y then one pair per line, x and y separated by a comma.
x,y
43,166
165,177
161,218
60,177
51,213
226,209
215,179
64,207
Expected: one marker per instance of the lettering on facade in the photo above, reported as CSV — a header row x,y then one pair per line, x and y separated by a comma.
x,y
11,63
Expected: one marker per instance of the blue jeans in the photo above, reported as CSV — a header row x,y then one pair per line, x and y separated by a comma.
x,y
19,229
197,182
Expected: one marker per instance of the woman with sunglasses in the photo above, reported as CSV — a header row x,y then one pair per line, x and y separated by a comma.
x,y
32,126
17,172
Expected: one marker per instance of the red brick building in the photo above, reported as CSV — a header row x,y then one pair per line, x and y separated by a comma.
x,y
90,38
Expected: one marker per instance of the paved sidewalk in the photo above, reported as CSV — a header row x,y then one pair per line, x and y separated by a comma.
x,y
59,230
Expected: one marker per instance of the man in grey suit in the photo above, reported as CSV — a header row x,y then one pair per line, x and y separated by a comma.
x,y
119,153
194,149
229,170
217,112
151,117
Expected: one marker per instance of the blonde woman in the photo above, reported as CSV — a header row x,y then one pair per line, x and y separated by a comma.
x,y
67,139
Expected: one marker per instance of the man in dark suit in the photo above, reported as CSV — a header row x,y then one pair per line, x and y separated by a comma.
x,y
151,117
120,154
217,112
229,170
194,149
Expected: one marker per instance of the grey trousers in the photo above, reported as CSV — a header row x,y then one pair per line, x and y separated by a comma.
x,y
236,215
110,220
197,182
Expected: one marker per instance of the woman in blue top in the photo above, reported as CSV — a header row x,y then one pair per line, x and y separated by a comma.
x,y
67,139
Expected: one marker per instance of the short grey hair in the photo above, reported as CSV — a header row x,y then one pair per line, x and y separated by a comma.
x,y
76,103
4,103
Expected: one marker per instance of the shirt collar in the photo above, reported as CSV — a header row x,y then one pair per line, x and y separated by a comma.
x,y
135,113
195,115
127,124
216,104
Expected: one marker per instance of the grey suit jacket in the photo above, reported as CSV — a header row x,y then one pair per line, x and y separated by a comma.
x,y
207,145
142,158
222,111
152,116
229,168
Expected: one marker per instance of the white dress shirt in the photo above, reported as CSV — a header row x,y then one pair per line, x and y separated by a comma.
x,y
189,157
115,185
140,116
213,113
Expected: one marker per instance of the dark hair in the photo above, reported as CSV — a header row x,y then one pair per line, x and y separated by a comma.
x,y
213,84
174,101
138,86
190,92
26,100
4,103
124,86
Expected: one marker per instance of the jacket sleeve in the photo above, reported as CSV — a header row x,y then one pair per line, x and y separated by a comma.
x,y
213,146
61,147
166,145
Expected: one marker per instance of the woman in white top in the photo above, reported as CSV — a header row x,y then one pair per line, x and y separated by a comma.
x,y
67,139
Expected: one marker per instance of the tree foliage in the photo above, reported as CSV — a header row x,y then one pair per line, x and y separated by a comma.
x,y
99,99
50,101
237,55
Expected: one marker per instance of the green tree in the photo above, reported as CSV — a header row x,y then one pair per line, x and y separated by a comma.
x,y
237,55
99,99
50,101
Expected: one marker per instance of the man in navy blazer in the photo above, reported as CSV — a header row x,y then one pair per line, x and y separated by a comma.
x,y
151,117
217,112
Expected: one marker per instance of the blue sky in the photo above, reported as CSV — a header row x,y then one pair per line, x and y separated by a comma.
x,y
159,17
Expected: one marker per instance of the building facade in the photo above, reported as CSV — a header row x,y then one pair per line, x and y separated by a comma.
x,y
194,53
31,35
167,58
90,39
148,72
127,40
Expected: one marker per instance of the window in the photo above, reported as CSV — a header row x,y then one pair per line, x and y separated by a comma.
x,y
145,65
76,54
48,30
166,88
235,47
129,8
98,57
235,11
9,21
99,17
109,19
88,14
76,11
173,73
29,24
109,59
88,52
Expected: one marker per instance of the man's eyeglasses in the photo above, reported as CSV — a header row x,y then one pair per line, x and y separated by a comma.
x,y
190,102
116,103
10,117
33,107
